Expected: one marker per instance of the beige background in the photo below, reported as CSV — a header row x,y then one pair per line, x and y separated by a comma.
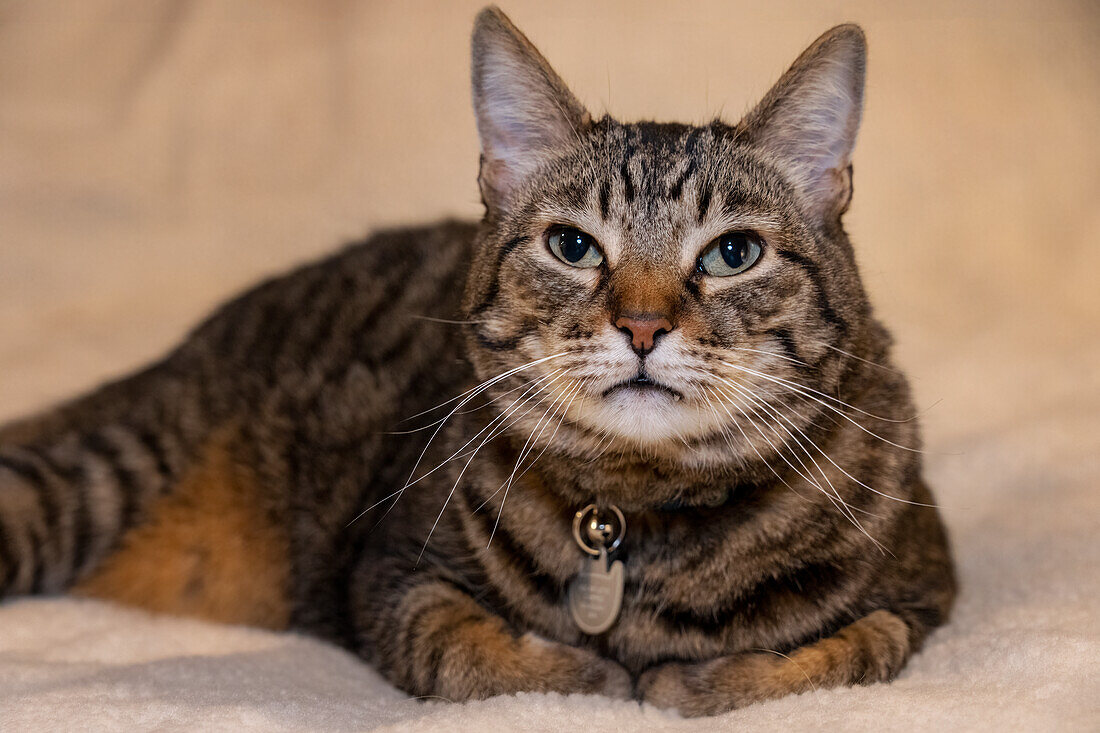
x,y
157,156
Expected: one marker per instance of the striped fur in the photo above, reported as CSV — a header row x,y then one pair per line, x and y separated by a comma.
x,y
301,459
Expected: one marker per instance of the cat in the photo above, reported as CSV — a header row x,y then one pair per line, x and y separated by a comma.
x,y
679,466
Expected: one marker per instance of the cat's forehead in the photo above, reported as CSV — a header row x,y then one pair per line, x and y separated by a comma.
x,y
657,147
650,188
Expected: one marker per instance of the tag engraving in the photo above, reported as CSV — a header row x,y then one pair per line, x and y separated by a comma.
x,y
596,594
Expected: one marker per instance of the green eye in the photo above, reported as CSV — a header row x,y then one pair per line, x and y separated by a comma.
x,y
731,254
573,247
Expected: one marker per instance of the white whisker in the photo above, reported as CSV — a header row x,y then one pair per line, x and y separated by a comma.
x,y
802,389
462,473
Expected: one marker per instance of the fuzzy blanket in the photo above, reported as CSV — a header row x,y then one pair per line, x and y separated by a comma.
x,y
157,156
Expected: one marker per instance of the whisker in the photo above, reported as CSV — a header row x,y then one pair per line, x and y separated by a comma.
x,y
488,382
549,442
751,444
776,414
781,654
858,358
772,353
459,453
466,397
798,389
834,497
444,320
458,480
837,466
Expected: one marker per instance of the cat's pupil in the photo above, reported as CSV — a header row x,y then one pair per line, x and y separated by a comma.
x,y
574,244
734,249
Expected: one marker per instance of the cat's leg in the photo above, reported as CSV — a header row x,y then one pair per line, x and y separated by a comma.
x,y
872,649
437,641
75,479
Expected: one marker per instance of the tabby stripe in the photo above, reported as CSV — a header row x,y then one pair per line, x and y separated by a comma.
x,y
39,563
7,558
396,349
287,315
73,479
439,642
505,344
152,444
83,527
415,618
40,482
323,322
504,544
677,188
494,282
364,338
628,183
814,273
786,341
704,201
127,481
810,581
605,195
29,473
384,305
47,510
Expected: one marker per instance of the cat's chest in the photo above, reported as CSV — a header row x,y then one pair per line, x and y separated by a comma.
x,y
619,609
635,605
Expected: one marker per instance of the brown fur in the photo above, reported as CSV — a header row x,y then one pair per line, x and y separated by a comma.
x,y
872,649
208,550
473,654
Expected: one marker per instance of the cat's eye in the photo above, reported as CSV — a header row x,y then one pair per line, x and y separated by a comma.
x,y
731,254
573,247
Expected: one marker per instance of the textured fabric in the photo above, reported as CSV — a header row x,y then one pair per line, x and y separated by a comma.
x,y
157,156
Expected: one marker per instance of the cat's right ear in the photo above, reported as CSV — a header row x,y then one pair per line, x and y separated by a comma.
x,y
525,113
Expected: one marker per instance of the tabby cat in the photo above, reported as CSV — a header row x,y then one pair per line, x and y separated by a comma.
x,y
679,466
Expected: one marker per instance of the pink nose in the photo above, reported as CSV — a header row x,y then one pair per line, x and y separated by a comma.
x,y
643,331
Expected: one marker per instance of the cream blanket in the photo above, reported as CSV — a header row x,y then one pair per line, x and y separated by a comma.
x,y
157,156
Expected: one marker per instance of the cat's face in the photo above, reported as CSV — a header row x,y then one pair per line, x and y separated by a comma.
x,y
653,283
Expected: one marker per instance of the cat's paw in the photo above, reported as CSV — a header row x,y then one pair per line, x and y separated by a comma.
x,y
617,682
569,670
665,687
705,688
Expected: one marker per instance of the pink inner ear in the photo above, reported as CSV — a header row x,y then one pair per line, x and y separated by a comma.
x,y
814,131
809,119
524,111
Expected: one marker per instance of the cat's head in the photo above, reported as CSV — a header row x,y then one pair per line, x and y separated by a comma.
x,y
646,281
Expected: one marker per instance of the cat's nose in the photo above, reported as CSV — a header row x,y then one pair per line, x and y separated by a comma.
x,y
643,330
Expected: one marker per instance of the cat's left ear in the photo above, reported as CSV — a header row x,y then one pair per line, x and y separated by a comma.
x,y
809,119
525,113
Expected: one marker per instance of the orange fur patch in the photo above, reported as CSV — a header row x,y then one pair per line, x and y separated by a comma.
x,y
207,550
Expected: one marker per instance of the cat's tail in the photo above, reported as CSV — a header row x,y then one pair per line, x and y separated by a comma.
x,y
74,479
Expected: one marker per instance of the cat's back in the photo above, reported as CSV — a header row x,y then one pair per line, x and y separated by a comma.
x,y
387,306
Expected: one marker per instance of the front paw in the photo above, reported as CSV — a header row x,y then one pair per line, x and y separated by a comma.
x,y
706,688
568,669
616,680
665,687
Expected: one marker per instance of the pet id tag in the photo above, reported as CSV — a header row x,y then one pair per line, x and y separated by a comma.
x,y
596,594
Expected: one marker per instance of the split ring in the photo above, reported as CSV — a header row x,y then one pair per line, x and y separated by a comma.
x,y
593,510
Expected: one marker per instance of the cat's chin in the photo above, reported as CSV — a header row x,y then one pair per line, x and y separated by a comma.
x,y
649,415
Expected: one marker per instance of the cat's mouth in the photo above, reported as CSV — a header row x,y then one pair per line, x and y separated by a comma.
x,y
643,384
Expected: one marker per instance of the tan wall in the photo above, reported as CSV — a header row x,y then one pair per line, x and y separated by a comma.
x,y
157,156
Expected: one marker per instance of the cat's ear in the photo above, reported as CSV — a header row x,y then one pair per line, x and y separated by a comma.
x,y
524,111
809,119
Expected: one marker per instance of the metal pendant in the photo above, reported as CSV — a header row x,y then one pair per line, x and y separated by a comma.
x,y
596,594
